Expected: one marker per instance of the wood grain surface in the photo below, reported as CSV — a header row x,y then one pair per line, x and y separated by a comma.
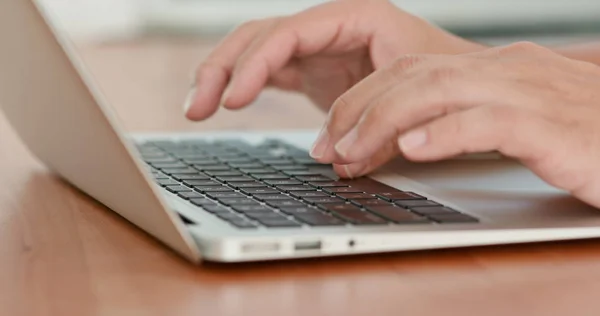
x,y
63,254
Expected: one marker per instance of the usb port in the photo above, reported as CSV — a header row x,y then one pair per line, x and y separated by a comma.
x,y
307,245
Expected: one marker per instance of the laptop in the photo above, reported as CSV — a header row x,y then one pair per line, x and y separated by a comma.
x,y
235,197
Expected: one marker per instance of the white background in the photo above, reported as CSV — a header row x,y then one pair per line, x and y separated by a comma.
x,y
125,18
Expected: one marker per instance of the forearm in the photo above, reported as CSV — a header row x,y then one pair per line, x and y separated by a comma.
x,y
589,52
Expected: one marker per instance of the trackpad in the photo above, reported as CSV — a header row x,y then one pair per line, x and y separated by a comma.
x,y
499,174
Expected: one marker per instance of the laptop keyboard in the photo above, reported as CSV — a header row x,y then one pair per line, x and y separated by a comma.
x,y
276,185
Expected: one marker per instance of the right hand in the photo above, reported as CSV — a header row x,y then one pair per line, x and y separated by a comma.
x,y
321,52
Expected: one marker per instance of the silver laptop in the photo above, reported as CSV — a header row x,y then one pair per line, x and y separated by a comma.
x,y
234,197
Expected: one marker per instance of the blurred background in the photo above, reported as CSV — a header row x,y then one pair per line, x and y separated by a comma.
x,y
491,20
142,52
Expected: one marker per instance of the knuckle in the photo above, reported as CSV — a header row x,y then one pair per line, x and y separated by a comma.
x,y
522,47
442,75
405,63
408,61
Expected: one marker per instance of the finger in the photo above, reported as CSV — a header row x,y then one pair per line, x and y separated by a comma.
x,y
436,93
289,78
303,34
212,76
348,108
362,168
509,130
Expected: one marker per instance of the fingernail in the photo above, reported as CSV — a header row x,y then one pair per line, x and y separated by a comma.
x,y
354,170
189,100
226,95
413,140
346,142
349,173
321,144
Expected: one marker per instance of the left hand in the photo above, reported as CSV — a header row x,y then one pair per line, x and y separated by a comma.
x,y
522,100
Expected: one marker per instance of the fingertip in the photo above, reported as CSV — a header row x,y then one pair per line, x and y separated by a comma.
x,y
189,101
197,107
351,171
205,95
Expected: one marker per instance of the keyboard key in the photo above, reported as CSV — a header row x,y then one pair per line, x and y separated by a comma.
x,y
205,189
431,210
226,155
202,202
355,196
289,167
236,160
319,219
166,182
256,171
302,194
244,224
399,195
279,223
342,190
253,184
275,162
453,218
190,155
283,182
159,176
272,176
318,178
416,203
190,195
230,216
372,202
336,207
228,195
308,161
252,209
267,216
263,190
228,173
290,188
215,209
398,215
300,210
177,188
286,203
260,154
241,201
271,197
159,160
193,183
212,168
303,173
170,165
324,200
196,176
355,215
248,165
332,184
202,162
231,179
179,171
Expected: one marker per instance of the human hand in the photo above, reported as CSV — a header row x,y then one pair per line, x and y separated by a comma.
x,y
522,100
320,52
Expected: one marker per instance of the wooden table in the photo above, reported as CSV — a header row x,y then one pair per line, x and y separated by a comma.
x,y
63,254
